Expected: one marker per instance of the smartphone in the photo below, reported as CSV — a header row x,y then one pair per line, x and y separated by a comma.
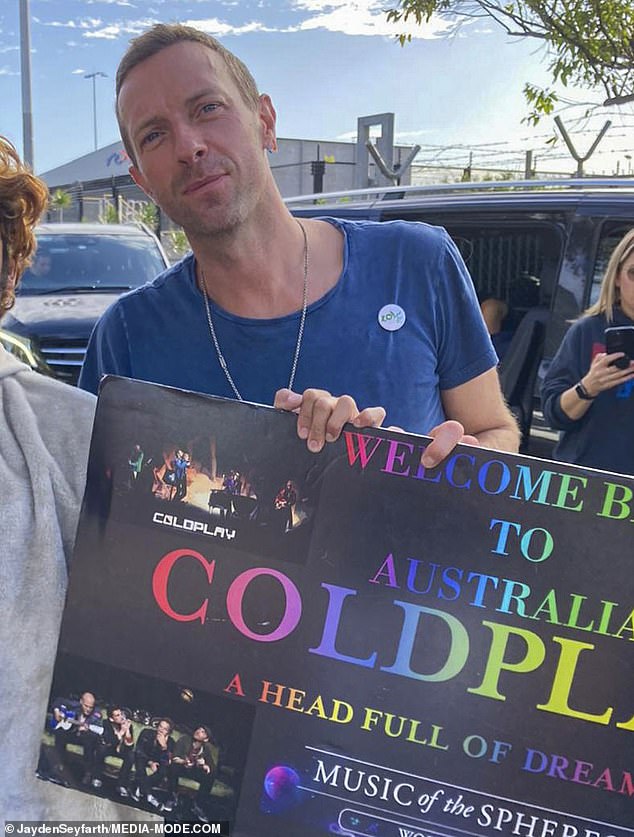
x,y
620,339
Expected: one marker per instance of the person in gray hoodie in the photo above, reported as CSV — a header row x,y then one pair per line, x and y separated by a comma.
x,y
45,429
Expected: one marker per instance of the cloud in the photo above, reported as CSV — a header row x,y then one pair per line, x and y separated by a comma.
x,y
412,136
7,71
5,49
363,17
349,17
220,28
112,31
78,72
86,23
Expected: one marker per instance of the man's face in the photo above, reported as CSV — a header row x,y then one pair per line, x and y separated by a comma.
x,y
200,149
117,716
201,736
41,266
87,703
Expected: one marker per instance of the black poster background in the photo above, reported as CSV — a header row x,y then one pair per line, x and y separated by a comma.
x,y
302,774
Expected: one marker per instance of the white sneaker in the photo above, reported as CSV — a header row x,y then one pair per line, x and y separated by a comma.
x,y
96,783
152,800
136,794
124,792
198,812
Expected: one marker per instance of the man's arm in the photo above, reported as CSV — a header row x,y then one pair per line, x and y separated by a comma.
x,y
477,415
144,744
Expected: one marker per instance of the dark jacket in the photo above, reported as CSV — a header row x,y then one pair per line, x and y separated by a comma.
x,y
183,746
603,437
148,749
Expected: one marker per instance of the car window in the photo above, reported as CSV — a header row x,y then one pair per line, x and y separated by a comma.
x,y
100,262
516,262
611,234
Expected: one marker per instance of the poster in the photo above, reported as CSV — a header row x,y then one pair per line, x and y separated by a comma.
x,y
376,650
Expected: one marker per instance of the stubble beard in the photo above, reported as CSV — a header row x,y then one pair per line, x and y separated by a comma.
x,y
219,217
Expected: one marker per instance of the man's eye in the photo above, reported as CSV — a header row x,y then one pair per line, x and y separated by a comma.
x,y
149,138
209,107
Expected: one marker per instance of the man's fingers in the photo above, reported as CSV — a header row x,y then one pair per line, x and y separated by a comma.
x,y
345,409
327,417
286,399
305,419
321,416
370,417
445,437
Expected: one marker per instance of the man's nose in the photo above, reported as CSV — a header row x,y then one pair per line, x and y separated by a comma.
x,y
190,145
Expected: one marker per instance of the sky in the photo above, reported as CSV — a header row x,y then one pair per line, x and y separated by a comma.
x,y
324,63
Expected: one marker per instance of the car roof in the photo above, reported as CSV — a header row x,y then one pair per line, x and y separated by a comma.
x,y
90,229
530,195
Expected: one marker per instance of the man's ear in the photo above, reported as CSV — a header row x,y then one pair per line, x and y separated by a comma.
x,y
140,181
268,119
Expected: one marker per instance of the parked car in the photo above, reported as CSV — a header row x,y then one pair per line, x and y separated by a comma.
x,y
540,246
77,272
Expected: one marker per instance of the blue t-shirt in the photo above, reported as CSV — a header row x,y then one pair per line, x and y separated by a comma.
x,y
159,332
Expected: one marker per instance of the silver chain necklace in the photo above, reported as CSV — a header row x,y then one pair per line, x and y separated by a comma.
x,y
300,331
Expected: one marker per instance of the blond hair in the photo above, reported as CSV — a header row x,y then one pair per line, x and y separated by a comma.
x,y
163,35
23,198
609,295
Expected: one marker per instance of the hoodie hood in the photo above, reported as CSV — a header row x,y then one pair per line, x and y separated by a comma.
x,y
10,365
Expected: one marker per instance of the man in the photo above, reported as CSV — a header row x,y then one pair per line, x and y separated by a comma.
x,y
41,266
135,464
44,437
118,740
78,722
494,313
284,501
194,758
384,312
152,759
180,464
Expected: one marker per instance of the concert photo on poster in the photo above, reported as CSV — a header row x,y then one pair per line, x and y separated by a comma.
x,y
344,643
149,743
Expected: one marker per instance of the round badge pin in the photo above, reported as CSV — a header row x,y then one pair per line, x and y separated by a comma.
x,y
391,317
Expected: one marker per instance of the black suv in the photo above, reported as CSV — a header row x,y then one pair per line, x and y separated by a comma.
x,y
77,271
540,246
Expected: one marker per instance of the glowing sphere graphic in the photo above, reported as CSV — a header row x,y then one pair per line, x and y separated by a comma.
x,y
281,782
187,695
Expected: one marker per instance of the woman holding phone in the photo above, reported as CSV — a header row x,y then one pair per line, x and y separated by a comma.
x,y
588,392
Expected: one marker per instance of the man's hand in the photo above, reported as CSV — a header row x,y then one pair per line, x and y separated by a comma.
x,y
445,438
321,416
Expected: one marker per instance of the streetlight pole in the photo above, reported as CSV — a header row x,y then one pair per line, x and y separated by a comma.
x,y
25,67
94,76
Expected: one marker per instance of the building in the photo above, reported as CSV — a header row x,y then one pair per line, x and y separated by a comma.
x,y
100,186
